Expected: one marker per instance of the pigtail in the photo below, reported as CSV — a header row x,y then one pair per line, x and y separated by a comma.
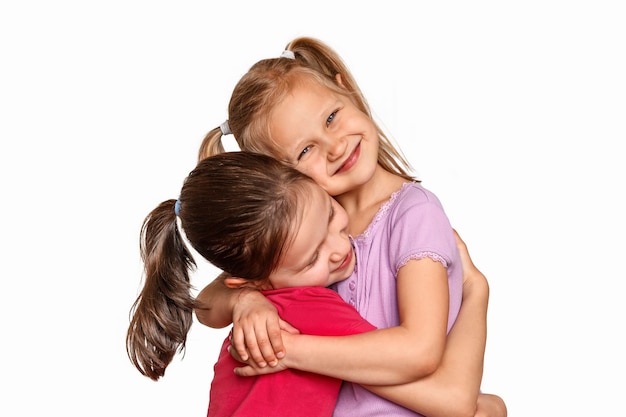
x,y
162,313
211,144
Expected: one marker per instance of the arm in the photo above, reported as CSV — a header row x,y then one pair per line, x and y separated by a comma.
x,y
256,325
214,304
387,356
453,390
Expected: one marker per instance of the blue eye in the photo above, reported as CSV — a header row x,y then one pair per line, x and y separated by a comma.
x,y
331,117
304,151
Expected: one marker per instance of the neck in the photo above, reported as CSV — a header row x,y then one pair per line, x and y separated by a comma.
x,y
363,202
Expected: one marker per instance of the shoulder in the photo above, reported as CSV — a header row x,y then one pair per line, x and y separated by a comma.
x,y
287,299
418,222
413,196
332,315
413,192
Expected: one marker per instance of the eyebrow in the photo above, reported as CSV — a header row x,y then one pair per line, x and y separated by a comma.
x,y
331,215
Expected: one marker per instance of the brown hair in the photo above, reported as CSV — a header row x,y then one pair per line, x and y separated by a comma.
x,y
238,210
268,81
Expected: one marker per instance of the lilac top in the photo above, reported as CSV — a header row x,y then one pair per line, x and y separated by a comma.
x,y
411,225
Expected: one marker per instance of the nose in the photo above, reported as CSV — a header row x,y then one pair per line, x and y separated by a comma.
x,y
340,244
338,237
336,147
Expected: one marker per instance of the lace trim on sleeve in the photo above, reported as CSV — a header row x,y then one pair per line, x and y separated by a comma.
x,y
421,255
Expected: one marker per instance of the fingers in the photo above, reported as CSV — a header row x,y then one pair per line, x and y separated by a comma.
x,y
465,256
466,261
262,342
256,325
260,347
238,342
233,352
473,278
245,371
251,370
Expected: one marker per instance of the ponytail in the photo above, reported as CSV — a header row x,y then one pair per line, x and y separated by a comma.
x,y
162,314
211,144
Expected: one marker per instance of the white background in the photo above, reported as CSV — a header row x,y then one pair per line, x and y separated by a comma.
x,y
513,113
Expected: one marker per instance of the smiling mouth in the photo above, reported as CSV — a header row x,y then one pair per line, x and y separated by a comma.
x,y
351,160
346,261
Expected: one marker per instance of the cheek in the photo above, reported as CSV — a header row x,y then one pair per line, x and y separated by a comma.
x,y
317,171
313,170
321,276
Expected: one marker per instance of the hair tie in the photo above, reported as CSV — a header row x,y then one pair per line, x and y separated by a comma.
x,y
288,54
225,128
177,207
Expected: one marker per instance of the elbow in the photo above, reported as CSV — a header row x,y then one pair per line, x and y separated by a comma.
x,y
462,405
430,365
426,358
463,410
423,365
205,316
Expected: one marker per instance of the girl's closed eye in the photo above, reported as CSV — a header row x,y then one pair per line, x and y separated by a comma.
x,y
314,259
331,216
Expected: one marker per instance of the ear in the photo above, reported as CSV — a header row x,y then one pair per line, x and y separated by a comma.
x,y
339,81
234,283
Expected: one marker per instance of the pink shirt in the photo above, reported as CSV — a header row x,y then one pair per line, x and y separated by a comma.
x,y
411,225
313,310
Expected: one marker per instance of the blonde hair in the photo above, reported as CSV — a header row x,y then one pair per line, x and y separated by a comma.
x,y
268,82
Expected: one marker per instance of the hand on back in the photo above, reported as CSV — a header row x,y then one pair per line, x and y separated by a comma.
x,y
256,332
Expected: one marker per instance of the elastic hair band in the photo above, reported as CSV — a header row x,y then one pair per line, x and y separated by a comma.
x,y
288,54
177,207
225,128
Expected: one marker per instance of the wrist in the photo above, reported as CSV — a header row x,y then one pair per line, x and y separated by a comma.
x,y
238,297
290,343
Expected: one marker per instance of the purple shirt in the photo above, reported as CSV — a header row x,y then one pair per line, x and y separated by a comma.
x,y
411,225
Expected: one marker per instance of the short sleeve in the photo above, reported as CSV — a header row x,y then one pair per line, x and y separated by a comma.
x,y
420,229
319,311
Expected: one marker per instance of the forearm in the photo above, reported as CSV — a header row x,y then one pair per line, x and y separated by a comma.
x,y
382,357
214,304
393,355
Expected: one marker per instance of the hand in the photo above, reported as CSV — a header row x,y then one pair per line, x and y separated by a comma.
x,y
472,277
251,368
257,329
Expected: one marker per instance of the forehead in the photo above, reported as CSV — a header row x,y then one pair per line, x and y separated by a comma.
x,y
296,81
307,88
307,195
312,212
301,112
